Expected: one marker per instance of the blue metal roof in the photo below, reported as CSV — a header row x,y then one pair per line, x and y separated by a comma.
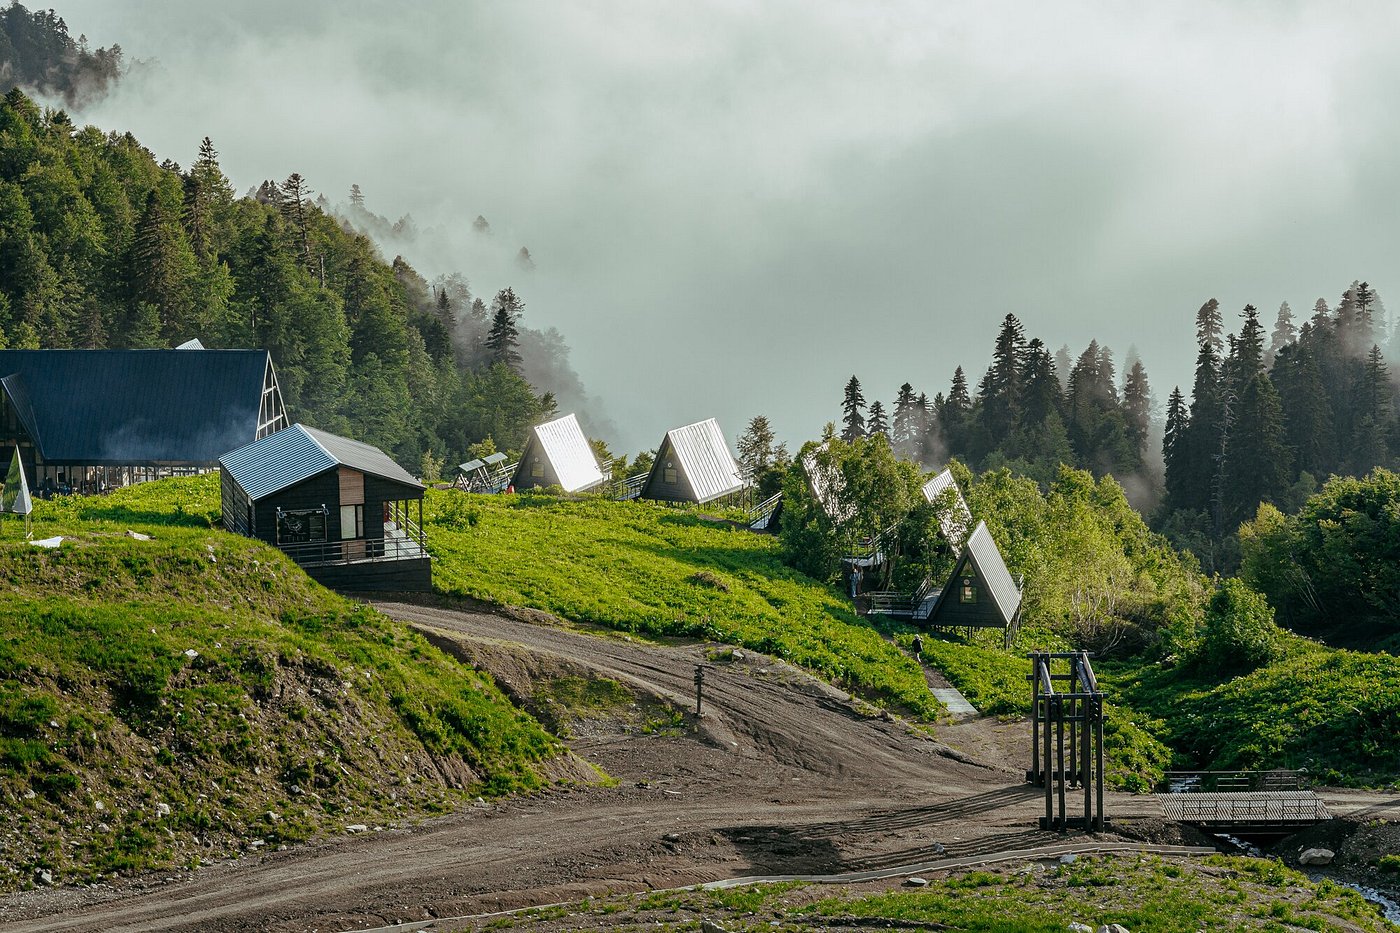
x,y
114,407
291,455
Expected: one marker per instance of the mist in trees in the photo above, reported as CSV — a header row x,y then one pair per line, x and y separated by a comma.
x,y
101,246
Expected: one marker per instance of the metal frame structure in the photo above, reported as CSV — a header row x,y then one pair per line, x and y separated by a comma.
x,y
1067,737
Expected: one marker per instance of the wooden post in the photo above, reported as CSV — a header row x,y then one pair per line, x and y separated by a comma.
x,y
1098,752
699,690
1034,772
1060,742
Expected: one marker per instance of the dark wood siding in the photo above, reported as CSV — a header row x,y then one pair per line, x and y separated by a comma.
x,y
523,479
657,487
321,489
401,576
954,613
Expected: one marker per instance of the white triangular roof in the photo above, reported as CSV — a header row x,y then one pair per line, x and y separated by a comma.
x,y
705,460
562,442
955,522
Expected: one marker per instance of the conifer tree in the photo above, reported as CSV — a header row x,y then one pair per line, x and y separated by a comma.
x,y
503,340
999,394
1309,423
1137,406
1041,391
853,416
296,207
1257,461
1210,326
755,448
1173,453
878,423
1284,333
357,197
904,429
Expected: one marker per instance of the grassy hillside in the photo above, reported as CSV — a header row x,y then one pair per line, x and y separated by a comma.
x,y
641,567
167,701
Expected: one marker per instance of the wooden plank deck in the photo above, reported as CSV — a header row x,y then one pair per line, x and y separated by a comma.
x,y
1251,808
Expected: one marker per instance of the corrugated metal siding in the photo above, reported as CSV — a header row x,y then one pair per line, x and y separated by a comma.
x,y
704,458
954,523
562,443
297,453
986,557
118,407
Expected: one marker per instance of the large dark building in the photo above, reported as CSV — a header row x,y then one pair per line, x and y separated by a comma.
x,y
341,509
89,420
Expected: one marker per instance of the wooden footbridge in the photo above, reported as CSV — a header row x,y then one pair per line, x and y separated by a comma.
x,y
1243,803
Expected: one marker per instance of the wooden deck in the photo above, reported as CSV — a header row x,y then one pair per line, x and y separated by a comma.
x,y
1251,808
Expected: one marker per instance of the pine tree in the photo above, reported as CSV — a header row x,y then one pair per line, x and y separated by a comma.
x,y
357,197
852,418
999,393
755,448
1063,364
904,433
1137,406
1246,351
1373,405
1309,422
1284,333
1257,467
954,414
296,207
1173,452
878,423
927,444
1199,447
1210,326
162,267
503,340
1322,315
1041,391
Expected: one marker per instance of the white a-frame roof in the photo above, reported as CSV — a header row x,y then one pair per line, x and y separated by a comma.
x,y
953,522
562,443
704,459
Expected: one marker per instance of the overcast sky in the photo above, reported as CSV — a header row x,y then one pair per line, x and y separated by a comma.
x,y
735,206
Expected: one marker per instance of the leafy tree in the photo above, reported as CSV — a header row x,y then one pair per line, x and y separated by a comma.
x,y
853,418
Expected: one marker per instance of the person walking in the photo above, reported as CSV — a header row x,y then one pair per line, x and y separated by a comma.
x,y
918,647
855,580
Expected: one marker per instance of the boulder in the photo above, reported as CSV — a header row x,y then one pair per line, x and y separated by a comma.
x,y
1113,928
357,828
1317,857
916,882
710,926
1077,927
43,876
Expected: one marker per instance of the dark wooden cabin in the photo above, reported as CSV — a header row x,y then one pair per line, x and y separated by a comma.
x,y
557,454
980,593
341,509
89,420
693,464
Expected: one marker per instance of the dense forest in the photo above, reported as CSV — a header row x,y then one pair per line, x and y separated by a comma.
x,y
37,52
103,246
1268,419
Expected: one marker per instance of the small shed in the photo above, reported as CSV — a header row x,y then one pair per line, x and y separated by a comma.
x,y
341,509
693,464
980,593
557,454
956,519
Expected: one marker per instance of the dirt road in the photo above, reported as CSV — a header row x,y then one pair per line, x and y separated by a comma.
x,y
782,775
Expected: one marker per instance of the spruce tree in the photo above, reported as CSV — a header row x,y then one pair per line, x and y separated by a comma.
x,y
1041,392
1173,452
1283,334
1137,406
503,340
296,207
878,423
1257,467
904,431
853,416
1210,326
755,448
999,393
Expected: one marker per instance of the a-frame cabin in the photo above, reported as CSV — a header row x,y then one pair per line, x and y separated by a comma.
x,y
980,593
557,454
693,464
956,519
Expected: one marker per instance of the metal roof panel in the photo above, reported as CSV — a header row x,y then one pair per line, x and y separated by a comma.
x,y
568,452
287,457
955,522
986,557
705,460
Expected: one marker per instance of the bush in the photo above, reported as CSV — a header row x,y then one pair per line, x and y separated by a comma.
x,y
1239,634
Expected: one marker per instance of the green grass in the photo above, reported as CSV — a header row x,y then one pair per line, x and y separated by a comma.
x,y
1334,712
192,683
640,567
1146,894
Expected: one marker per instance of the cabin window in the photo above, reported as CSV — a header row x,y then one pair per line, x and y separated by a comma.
x,y
536,467
968,592
352,521
668,475
299,526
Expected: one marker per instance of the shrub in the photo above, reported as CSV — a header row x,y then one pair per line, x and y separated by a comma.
x,y
1239,634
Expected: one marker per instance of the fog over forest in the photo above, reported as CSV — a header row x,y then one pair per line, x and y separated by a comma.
x,y
731,209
